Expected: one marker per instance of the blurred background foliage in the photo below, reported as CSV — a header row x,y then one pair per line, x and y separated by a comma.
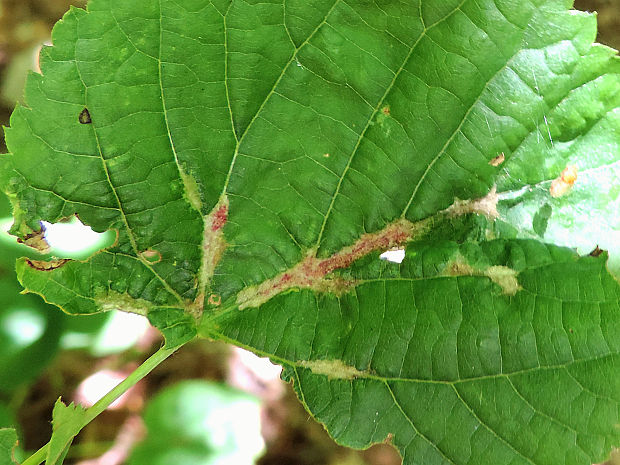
x,y
208,404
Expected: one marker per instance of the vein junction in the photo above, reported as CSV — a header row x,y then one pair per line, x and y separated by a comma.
x,y
312,272
213,246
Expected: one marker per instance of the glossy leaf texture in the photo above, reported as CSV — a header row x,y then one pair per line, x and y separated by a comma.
x,y
254,158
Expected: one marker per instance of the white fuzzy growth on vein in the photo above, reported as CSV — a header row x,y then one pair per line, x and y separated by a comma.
x,y
190,192
213,246
503,276
333,369
486,206
124,302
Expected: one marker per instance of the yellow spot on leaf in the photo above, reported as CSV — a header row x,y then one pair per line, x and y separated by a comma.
x,y
191,193
486,206
563,184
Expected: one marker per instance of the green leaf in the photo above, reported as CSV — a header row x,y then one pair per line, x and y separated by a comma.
x,y
67,423
197,422
259,156
541,219
581,129
503,352
8,443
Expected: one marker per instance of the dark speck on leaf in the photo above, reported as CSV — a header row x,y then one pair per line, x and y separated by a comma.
x,y
596,252
84,117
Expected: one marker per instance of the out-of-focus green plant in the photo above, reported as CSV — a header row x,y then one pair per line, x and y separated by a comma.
x,y
200,423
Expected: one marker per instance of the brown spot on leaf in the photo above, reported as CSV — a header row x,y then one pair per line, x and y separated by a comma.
x,y
36,240
152,256
42,265
84,117
215,299
596,252
498,160
386,110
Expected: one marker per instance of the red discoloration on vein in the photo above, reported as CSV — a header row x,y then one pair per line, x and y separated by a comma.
x,y
219,217
312,271
213,246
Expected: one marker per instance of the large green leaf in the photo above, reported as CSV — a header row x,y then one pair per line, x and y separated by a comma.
x,y
504,352
258,156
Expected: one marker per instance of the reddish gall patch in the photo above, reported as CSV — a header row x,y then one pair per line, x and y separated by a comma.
x,y
220,217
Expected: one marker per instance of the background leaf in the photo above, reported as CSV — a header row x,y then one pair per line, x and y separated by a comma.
x,y
212,424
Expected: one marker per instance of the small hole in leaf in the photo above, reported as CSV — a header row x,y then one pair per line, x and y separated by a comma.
x,y
69,238
394,256
84,117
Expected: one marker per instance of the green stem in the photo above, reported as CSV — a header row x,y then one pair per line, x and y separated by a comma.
x,y
92,412
38,457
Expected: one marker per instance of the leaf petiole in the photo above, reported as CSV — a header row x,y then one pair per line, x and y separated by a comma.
x,y
91,413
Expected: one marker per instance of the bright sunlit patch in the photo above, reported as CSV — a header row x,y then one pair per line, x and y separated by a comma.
x,y
262,367
98,385
235,432
120,332
23,326
71,237
254,374
395,256
5,224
